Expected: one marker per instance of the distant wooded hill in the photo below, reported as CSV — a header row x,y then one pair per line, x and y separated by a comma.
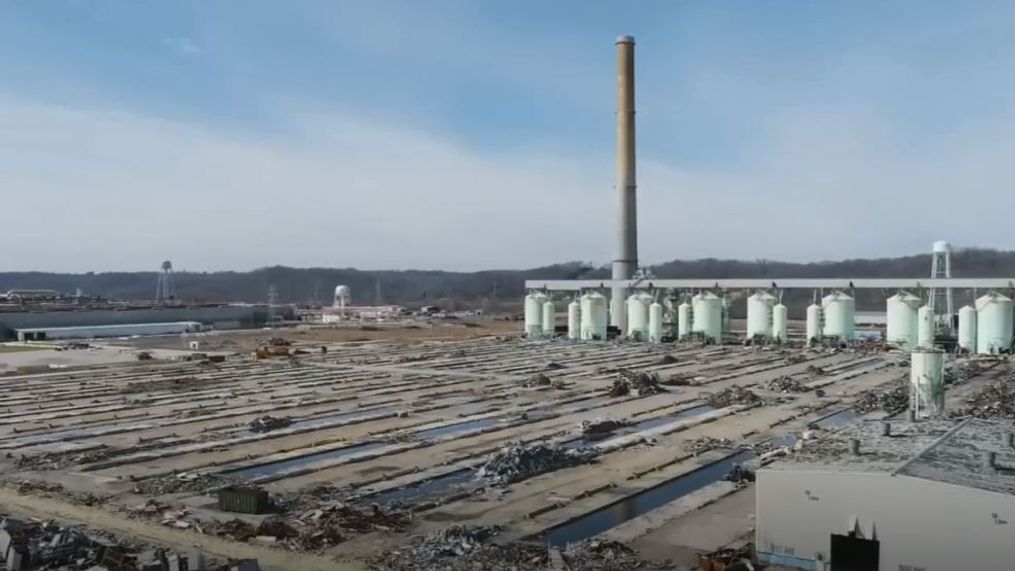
x,y
470,289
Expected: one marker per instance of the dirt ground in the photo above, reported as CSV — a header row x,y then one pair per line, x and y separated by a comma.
x,y
247,340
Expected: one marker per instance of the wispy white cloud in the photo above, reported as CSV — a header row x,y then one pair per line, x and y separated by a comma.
x,y
112,190
184,46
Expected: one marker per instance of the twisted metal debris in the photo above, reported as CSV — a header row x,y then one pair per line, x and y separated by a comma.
x,y
517,462
642,382
731,396
888,400
268,423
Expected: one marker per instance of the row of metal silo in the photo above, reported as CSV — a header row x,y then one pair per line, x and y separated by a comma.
x,y
985,327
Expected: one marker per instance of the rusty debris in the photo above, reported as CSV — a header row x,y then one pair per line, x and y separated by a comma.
x,y
732,396
268,423
635,383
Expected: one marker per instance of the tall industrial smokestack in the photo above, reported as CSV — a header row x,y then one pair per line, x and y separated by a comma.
x,y
625,258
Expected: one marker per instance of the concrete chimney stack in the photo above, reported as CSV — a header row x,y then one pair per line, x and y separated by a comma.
x,y
625,259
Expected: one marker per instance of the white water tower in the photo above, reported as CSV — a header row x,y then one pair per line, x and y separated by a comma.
x,y
342,295
941,298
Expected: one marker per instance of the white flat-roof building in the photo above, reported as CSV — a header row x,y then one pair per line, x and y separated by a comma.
x,y
931,495
120,330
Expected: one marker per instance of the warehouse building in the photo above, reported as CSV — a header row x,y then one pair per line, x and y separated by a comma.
x,y
901,496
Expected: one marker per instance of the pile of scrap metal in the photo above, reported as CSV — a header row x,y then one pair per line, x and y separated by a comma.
x,y
635,384
33,544
728,559
268,423
889,400
787,384
600,426
461,548
731,396
993,401
517,462
273,347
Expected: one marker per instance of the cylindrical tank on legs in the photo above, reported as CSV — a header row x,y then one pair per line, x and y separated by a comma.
x,y
967,329
655,322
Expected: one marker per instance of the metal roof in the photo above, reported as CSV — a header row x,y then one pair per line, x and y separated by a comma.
x,y
947,450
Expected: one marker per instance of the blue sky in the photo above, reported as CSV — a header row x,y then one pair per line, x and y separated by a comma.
x,y
470,135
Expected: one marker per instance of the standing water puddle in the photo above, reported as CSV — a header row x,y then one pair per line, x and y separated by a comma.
x,y
283,466
646,424
612,515
458,428
837,419
422,491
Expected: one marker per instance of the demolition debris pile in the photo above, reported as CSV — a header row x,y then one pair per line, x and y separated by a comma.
x,y
183,482
888,400
268,423
703,444
33,544
314,530
600,427
993,401
787,384
731,396
639,383
461,548
518,462
537,380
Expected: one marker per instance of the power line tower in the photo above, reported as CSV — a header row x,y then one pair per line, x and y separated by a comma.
x,y
941,298
164,288
272,298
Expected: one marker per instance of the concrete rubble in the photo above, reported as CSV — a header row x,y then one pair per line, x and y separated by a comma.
x,y
268,423
537,380
462,548
601,426
993,401
703,444
635,383
35,544
182,482
315,529
732,396
891,399
48,489
787,384
517,462
607,555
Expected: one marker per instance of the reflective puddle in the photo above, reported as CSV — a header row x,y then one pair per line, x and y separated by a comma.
x,y
598,521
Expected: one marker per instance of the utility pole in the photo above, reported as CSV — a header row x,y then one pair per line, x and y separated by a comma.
x,y
272,297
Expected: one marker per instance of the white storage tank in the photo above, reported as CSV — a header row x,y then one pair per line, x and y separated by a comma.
x,y
594,317
925,327
926,382
549,319
534,314
901,312
813,322
695,303
708,316
780,322
574,324
655,322
759,314
993,323
967,329
637,315
683,320
838,310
